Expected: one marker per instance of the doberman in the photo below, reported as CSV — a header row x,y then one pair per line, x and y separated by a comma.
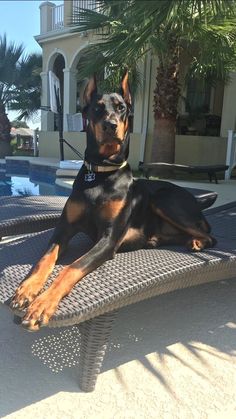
x,y
118,212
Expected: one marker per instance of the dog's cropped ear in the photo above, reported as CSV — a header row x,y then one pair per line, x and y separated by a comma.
x,y
90,90
125,90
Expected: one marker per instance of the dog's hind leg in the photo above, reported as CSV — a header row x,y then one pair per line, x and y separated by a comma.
x,y
178,208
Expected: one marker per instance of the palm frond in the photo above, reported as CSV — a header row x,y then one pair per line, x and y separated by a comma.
x,y
20,79
127,30
9,57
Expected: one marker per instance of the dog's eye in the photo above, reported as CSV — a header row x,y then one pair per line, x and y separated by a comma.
x,y
121,107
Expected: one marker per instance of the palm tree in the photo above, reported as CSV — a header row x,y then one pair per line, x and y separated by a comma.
x,y
202,32
19,87
27,98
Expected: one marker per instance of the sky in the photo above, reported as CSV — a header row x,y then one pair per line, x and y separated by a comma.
x,y
20,20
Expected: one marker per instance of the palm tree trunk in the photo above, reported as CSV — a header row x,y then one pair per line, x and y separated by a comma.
x,y
166,96
5,133
163,146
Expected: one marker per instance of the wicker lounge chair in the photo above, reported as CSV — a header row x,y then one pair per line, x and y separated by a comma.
x,y
25,214
21,215
128,278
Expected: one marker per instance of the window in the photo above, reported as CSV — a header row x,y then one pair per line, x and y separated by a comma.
x,y
198,96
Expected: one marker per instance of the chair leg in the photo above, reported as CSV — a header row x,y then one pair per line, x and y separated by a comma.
x,y
95,335
216,179
210,176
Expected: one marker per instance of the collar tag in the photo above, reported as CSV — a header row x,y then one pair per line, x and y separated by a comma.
x,y
89,177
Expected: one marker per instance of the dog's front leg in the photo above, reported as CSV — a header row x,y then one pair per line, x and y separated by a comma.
x,y
33,284
44,306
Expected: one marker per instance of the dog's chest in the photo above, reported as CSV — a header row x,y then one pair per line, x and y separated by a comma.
x,y
94,196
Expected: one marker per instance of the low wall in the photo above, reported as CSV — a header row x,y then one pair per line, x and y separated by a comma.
x,y
49,146
196,150
189,149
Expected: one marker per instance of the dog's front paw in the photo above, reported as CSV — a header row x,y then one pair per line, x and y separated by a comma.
x,y
39,312
24,295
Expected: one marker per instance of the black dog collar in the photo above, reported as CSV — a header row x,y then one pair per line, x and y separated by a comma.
x,y
99,169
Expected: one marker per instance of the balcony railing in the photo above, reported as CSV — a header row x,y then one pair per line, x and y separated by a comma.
x,y
54,17
58,17
82,4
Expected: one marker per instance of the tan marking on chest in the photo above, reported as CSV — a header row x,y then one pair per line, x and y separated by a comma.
x,y
74,210
111,209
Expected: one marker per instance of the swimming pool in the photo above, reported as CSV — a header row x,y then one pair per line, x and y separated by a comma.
x,y
21,185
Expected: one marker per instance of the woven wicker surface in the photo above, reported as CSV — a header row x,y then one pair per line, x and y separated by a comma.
x,y
19,215
129,277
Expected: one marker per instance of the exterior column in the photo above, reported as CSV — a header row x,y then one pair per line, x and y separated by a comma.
x,y
229,111
46,16
68,12
147,68
47,117
139,104
70,92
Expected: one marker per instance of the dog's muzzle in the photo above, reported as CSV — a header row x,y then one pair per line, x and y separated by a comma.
x,y
109,126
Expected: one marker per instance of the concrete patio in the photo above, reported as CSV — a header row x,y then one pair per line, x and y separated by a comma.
x,y
181,366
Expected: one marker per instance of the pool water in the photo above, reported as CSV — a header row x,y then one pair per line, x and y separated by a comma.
x,y
22,185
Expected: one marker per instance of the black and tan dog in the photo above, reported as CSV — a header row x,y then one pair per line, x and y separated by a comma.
x,y
116,211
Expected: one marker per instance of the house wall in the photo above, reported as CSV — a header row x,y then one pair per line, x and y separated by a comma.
x,y
68,45
229,106
71,47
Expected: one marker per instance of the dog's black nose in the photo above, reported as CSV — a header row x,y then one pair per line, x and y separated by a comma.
x,y
109,125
